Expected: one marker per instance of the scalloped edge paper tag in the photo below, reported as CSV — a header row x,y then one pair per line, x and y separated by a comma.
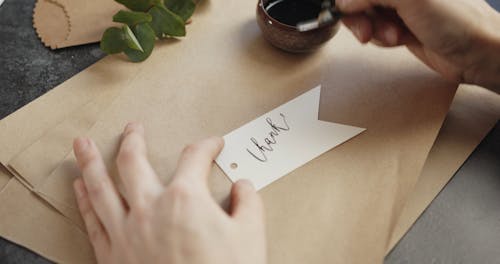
x,y
281,141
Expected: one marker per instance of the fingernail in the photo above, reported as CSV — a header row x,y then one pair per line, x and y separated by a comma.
x,y
246,184
129,127
357,32
132,126
81,144
391,36
219,141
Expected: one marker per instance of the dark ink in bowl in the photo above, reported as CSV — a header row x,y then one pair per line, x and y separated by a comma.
x,y
292,12
278,21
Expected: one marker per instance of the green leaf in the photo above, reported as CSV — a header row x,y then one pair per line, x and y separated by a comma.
x,y
132,18
113,41
138,5
165,22
146,37
131,40
183,8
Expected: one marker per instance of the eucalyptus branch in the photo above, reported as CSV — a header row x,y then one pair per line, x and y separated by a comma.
x,y
143,23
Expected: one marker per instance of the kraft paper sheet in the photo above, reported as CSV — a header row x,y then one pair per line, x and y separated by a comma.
x,y
473,113
468,106
460,128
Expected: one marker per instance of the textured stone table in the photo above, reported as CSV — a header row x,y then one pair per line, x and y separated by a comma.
x,y
462,225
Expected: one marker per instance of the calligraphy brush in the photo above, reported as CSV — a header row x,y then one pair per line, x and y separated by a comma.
x,y
328,14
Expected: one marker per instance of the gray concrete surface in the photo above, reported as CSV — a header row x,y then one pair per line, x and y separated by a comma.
x,y
462,225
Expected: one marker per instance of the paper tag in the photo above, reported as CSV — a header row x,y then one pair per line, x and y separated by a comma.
x,y
280,141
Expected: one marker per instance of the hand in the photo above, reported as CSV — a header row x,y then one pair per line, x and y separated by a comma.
x,y
176,224
458,39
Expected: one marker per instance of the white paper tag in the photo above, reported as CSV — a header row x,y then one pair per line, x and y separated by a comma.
x,y
280,141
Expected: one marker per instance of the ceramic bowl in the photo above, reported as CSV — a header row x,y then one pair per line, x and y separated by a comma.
x,y
289,38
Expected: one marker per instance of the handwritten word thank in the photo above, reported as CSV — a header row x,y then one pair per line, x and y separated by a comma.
x,y
270,140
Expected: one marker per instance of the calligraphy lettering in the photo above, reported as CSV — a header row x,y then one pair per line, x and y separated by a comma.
x,y
270,140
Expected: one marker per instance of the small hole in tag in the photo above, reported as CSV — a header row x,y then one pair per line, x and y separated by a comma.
x,y
234,166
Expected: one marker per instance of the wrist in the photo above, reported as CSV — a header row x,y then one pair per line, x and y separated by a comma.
x,y
484,68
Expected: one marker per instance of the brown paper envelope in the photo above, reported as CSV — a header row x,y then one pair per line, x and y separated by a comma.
x,y
473,113
28,220
30,123
64,23
59,138
35,224
192,91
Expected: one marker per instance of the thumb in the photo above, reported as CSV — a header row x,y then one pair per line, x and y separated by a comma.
x,y
246,204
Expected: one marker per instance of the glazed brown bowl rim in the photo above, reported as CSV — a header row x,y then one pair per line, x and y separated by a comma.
x,y
281,24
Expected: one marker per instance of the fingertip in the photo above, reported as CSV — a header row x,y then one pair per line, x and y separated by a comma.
x,y
387,33
386,36
218,141
85,151
360,25
213,144
391,36
197,159
80,145
132,142
245,185
134,127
